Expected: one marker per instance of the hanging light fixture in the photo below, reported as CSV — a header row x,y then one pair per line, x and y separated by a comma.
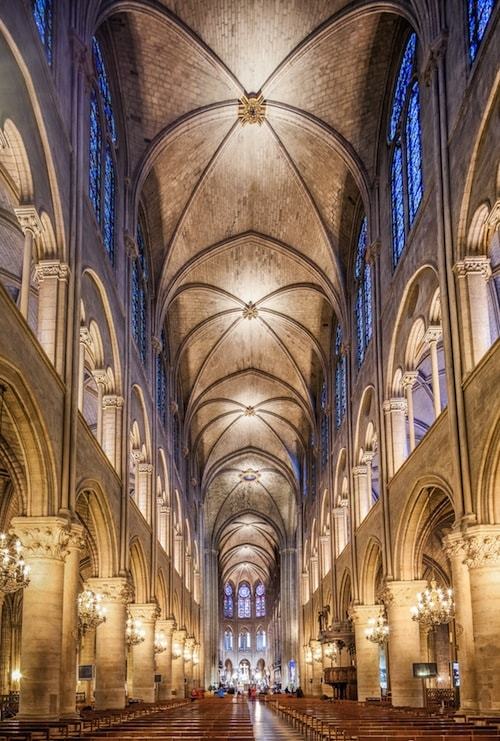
x,y
377,630
14,573
435,605
160,644
134,632
91,612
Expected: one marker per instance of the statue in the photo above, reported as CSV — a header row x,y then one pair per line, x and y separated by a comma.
x,y
323,618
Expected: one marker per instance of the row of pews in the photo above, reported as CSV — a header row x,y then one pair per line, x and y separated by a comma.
x,y
351,721
89,722
213,719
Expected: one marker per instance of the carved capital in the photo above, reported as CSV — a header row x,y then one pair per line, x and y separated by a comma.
x,y
361,614
482,546
454,545
157,344
180,636
435,52
42,537
401,593
76,537
131,246
373,251
395,405
29,219
112,400
85,338
473,265
409,378
148,612
115,589
145,468
47,269
167,626
359,471
433,334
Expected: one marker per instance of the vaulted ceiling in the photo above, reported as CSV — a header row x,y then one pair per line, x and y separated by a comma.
x,y
251,227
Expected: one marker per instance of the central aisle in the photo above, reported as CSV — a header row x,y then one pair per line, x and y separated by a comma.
x,y
266,724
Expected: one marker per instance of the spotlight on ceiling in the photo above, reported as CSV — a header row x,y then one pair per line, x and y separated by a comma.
x,y
249,475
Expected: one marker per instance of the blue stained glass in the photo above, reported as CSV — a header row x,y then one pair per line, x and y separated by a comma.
x,y
260,601
141,248
228,602
362,306
244,608
43,16
338,341
340,380
367,291
360,328
479,13
361,249
95,144
397,196
404,78
104,89
414,153
108,214
324,426
161,389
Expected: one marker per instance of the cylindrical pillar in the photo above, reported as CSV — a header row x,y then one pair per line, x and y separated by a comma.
x,y
45,541
482,548
409,379
164,659
432,337
87,658
188,665
404,642
52,277
360,479
367,652
110,642
143,673
178,638
473,273
69,649
397,449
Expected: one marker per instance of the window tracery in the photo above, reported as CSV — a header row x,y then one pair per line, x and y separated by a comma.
x,y
260,600
406,149
102,142
340,379
228,601
244,607
139,312
324,424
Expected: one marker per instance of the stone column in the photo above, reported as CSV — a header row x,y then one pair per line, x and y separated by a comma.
x,y
188,665
482,550
87,656
211,617
432,337
110,642
111,428
101,378
289,612
404,642
178,638
52,277
164,660
45,542
360,478
409,380
84,340
69,651
32,227
316,688
454,546
395,418
367,652
143,674
473,274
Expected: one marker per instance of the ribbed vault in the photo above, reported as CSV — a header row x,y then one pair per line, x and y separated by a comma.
x,y
251,227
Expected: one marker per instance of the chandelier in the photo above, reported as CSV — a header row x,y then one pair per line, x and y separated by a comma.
x,y
377,630
90,611
160,644
14,573
134,632
434,606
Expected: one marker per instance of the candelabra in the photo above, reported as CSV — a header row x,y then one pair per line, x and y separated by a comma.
x,y
434,606
90,611
134,632
14,573
377,630
160,644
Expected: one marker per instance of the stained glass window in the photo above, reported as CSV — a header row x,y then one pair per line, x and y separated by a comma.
x,y
228,602
363,289
244,610
405,139
324,425
43,14
244,640
139,307
161,388
479,12
340,379
260,600
228,640
102,140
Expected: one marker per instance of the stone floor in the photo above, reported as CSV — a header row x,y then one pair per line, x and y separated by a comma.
x,y
267,726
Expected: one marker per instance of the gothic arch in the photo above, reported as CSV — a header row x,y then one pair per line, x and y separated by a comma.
x,y
139,571
97,520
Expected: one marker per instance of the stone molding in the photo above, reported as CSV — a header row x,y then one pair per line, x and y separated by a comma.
x,y
145,468
51,269
112,400
148,612
113,589
473,265
409,378
359,470
433,333
43,537
482,547
180,636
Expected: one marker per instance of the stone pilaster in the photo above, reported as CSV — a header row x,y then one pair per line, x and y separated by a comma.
x,y
143,672
110,642
178,639
52,277
473,274
45,543
367,652
404,642
111,428
164,659
31,225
